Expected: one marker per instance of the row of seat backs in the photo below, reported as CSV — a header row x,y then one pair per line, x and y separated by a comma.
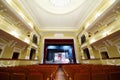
x,y
92,72
30,72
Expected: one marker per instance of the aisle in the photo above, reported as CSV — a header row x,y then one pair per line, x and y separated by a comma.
x,y
60,75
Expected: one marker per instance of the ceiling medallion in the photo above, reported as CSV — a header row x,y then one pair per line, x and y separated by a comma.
x,y
59,6
60,3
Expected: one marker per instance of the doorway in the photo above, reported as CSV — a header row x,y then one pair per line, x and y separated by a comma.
x,y
32,54
104,55
15,55
86,53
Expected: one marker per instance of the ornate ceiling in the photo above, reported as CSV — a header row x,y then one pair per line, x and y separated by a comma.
x,y
58,15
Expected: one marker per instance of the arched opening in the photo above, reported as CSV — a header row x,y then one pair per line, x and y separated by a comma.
x,y
32,54
104,55
15,55
35,39
86,53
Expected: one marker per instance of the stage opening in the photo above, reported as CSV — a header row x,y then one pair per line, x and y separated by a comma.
x,y
59,54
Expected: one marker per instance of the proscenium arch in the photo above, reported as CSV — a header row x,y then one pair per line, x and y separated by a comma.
x,y
58,42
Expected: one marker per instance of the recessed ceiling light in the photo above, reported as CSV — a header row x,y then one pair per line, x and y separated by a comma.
x,y
60,3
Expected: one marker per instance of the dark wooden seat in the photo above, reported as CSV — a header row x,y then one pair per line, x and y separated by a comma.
x,y
4,76
98,73
114,73
18,76
35,76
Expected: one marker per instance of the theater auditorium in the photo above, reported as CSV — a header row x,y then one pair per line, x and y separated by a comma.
x,y
59,39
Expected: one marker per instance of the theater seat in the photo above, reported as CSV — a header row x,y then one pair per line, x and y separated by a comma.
x,y
114,75
35,76
82,76
18,76
98,73
99,76
4,76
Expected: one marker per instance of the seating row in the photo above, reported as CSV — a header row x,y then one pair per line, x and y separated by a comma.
x,y
91,72
31,72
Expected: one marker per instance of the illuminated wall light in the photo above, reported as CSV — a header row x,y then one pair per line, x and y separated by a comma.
x,y
14,33
97,15
21,14
30,24
105,33
92,57
111,1
36,57
27,57
83,57
87,25
92,40
27,40
9,1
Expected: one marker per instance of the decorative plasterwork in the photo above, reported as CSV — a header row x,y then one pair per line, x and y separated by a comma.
x,y
59,6
50,17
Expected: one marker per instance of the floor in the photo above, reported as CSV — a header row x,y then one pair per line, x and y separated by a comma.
x,y
60,75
